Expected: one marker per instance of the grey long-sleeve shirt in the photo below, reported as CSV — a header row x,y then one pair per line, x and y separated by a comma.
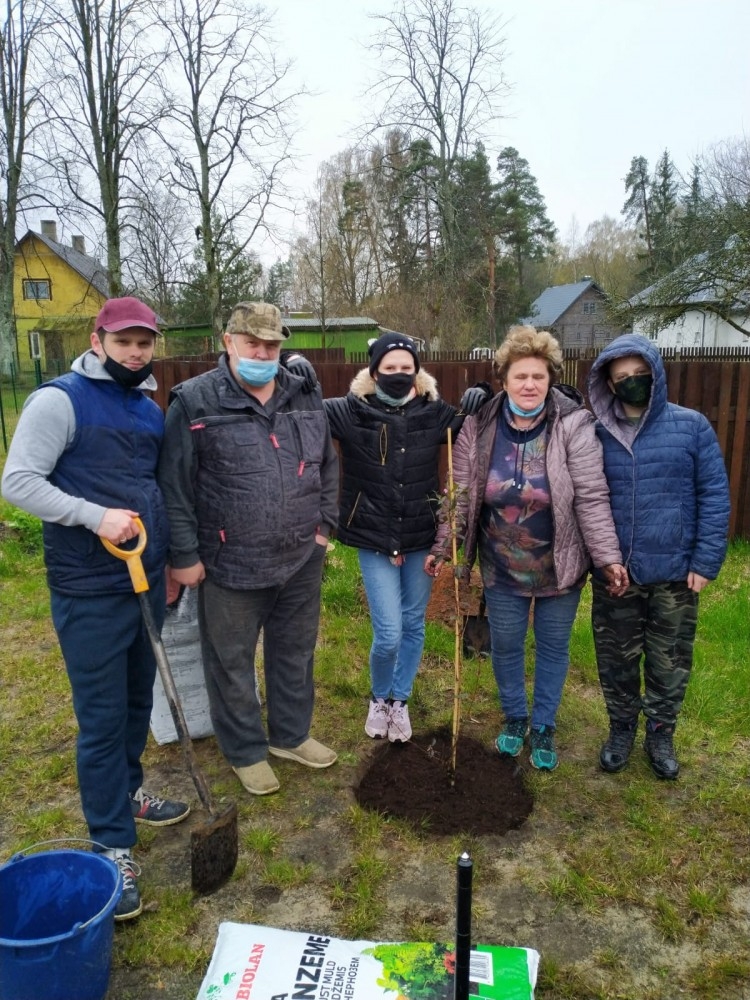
x,y
45,429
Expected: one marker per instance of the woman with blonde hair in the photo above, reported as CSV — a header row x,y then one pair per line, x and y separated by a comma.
x,y
533,504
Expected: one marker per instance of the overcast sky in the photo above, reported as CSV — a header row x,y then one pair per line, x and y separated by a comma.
x,y
594,83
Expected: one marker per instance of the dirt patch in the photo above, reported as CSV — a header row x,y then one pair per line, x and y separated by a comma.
x,y
412,781
442,606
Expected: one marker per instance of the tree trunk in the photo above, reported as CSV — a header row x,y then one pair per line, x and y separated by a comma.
x,y
491,294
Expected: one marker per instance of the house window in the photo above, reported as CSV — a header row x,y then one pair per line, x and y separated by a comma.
x,y
35,346
37,288
589,308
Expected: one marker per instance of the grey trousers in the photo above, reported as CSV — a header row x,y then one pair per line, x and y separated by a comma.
x,y
230,622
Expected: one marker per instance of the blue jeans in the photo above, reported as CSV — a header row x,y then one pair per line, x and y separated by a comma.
x,y
553,622
111,668
398,598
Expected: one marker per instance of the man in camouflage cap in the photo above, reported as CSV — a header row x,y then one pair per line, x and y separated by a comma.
x,y
250,479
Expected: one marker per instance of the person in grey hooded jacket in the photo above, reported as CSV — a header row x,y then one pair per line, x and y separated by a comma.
x,y
670,502
83,459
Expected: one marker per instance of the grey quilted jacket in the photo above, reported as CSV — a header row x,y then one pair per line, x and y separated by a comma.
x,y
584,532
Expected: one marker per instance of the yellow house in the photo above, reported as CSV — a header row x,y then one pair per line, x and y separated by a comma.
x,y
58,291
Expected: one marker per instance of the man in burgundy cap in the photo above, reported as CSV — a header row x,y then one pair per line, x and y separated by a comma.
x,y
83,459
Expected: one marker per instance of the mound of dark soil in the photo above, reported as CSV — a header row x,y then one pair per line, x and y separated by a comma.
x,y
412,781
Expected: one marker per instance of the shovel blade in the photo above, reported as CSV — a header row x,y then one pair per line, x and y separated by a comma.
x,y
213,851
476,639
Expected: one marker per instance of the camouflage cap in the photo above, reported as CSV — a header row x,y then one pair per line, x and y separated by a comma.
x,y
260,319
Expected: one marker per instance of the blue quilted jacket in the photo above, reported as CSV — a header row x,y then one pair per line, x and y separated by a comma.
x,y
668,486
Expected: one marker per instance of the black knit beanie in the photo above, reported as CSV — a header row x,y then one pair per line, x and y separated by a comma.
x,y
391,342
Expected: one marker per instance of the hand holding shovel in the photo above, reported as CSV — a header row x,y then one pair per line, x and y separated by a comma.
x,y
213,845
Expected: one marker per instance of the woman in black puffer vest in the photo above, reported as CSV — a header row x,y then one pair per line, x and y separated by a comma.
x,y
390,428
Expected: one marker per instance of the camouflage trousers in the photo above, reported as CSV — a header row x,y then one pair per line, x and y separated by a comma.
x,y
654,624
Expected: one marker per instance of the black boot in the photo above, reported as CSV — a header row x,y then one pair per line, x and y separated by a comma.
x,y
616,751
659,747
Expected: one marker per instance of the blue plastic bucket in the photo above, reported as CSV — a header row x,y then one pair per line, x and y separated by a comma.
x,y
57,924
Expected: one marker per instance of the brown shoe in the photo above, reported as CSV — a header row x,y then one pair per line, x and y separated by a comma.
x,y
258,779
310,753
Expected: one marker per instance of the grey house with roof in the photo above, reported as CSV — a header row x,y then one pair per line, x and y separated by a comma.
x,y
576,314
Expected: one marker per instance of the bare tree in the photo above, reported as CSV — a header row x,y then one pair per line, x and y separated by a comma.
x,y
159,246
309,258
714,231
18,35
103,107
231,121
442,81
725,171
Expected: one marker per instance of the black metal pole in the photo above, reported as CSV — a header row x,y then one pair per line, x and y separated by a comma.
x,y
463,927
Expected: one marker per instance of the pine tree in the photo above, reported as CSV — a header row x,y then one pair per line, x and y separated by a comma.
x,y
476,208
637,207
664,216
525,228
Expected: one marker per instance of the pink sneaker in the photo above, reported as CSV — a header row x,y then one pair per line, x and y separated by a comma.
x,y
377,719
399,725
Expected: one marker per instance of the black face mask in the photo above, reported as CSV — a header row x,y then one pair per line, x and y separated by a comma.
x,y
635,389
397,385
126,377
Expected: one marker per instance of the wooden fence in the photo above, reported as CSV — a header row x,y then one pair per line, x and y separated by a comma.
x,y
718,388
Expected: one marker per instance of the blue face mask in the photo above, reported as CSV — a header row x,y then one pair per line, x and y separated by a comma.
x,y
256,373
526,413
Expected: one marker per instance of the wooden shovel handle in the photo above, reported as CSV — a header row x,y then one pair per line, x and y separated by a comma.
x,y
132,557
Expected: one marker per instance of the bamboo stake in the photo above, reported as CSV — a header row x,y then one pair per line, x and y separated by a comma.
x,y
458,628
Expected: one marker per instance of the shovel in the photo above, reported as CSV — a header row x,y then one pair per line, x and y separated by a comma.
x,y
213,845
477,639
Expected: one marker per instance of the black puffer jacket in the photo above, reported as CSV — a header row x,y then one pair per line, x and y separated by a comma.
x,y
390,459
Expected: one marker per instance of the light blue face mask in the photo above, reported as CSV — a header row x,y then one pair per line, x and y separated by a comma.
x,y
526,413
256,373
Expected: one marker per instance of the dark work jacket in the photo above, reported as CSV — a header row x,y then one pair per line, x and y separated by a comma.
x,y
247,486
112,461
390,490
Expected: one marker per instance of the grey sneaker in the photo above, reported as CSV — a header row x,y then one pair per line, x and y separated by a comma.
x,y
129,905
399,724
378,714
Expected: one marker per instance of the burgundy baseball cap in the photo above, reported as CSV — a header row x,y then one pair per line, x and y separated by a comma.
x,y
122,314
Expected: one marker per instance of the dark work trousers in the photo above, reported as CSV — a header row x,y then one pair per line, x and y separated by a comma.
x,y
111,667
655,624
230,622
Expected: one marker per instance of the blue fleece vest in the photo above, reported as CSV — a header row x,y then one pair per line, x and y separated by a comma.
x,y
111,461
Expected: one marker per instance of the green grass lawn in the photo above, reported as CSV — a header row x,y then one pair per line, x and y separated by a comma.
x,y
672,858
